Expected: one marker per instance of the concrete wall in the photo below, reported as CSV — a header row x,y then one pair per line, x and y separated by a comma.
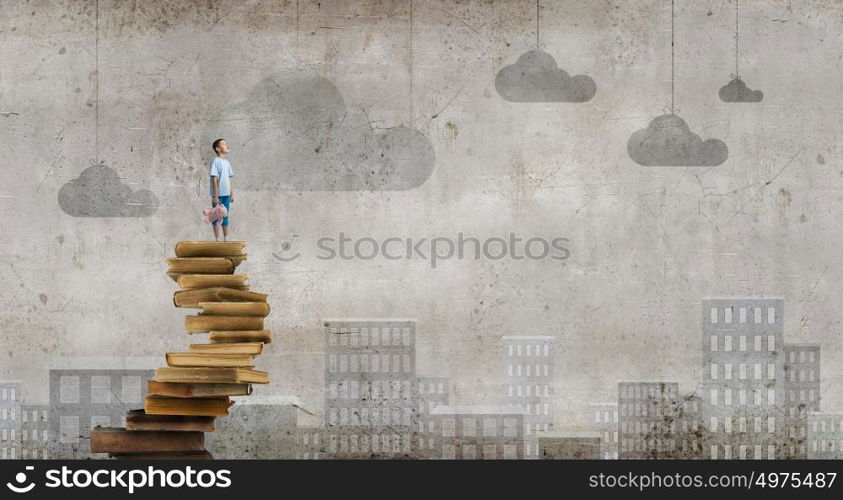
x,y
380,120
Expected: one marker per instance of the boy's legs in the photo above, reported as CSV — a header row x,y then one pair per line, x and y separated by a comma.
x,y
225,200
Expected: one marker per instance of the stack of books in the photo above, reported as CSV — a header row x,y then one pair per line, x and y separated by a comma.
x,y
187,395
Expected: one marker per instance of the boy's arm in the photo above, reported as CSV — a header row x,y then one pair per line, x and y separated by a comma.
x,y
216,181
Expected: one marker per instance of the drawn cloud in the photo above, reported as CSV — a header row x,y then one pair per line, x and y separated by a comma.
x,y
294,132
99,192
737,91
535,77
668,141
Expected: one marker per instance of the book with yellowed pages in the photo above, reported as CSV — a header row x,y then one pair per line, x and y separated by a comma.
x,y
118,440
253,348
195,390
175,455
234,309
216,406
236,336
203,324
210,359
139,420
202,265
194,281
209,248
192,298
211,375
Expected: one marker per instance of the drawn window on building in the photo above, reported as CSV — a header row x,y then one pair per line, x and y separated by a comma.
x,y
714,343
713,371
69,428
376,339
758,347
12,416
771,424
510,451
727,424
519,349
449,452
742,317
510,427
364,336
757,371
469,451
771,315
742,371
509,349
385,339
546,350
771,371
101,420
385,363
449,426
490,427
343,338
771,397
771,343
406,338
396,363
375,363
332,362
727,371
406,362
713,315
490,452
728,313
727,397
742,343
131,389
727,343
354,367
810,360
101,389
69,389
343,363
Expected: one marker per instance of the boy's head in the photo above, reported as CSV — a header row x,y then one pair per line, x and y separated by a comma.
x,y
221,147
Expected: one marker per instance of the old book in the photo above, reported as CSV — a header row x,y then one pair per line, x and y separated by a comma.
x,y
192,281
192,298
197,390
119,440
260,309
253,348
211,375
175,455
234,336
209,359
209,248
202,324
139,420
211,406
201,265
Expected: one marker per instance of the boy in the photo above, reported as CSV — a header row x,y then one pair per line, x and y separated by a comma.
x,y
221,192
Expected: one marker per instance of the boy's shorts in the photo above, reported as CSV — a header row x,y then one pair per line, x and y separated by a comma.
x,y
226,202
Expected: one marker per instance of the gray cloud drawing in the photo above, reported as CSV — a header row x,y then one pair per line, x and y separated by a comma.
x,y
737,91
99,192
294,132
535,77
668,141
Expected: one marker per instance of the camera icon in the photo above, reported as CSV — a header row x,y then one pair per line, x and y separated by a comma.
x,y
20,478
286,254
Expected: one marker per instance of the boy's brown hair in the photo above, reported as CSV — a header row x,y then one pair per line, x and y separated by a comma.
x,y
215,144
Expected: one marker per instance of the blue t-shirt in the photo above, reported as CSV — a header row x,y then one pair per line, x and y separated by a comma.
x,y
222,169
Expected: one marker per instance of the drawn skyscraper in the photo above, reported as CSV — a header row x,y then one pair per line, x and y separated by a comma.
x,y
743,372
432,392
825,436
656,422
10,424
604,420
528,361
801,395
371,404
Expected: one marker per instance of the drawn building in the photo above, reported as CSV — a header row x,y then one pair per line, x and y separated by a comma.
x,y
801,396
371,404
570,445
257,427
604,421
35,431
85,392
656,422
432,392
743,371
475,432
825,436
528,361
10,424
310,443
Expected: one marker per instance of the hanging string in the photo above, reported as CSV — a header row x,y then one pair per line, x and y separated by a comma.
x,y
537,24
411,62
672,57
97,88
737,39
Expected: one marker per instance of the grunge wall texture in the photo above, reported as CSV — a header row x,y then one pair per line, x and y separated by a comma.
x,y
420,143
